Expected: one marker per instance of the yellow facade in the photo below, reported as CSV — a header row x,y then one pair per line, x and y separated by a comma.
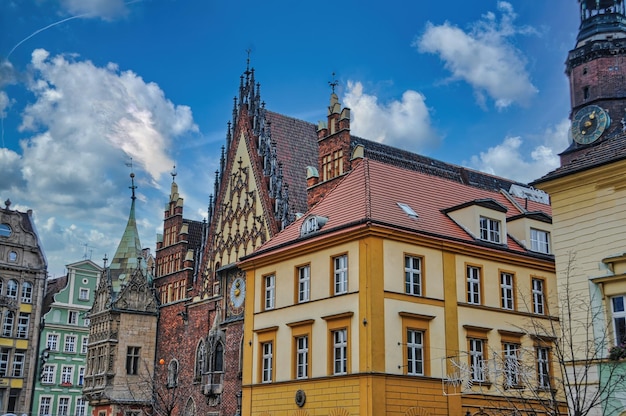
x,y
377,314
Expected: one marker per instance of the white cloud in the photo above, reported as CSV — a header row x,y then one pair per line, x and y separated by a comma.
x,y
510,159
484,56
405,123
84,122
104,9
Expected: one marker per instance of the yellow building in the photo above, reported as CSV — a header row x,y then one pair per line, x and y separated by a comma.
x,y
410,287
588,197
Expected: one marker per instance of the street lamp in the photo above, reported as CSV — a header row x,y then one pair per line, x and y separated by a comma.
x,y
238,396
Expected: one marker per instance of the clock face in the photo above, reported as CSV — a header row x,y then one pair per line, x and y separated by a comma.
x,y
237,295
589,123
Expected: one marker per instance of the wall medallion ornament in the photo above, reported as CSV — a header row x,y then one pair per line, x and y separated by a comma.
x,y
300,398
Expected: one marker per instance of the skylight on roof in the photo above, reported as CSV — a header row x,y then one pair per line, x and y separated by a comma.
x,y
408,210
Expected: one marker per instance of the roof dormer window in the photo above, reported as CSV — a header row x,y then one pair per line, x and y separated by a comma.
x,y
539,241
490,230
312,224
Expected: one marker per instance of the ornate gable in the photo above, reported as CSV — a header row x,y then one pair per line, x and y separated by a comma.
x,y
137,295
102,298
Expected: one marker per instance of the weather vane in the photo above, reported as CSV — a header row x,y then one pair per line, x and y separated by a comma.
x,y
334,83
173,173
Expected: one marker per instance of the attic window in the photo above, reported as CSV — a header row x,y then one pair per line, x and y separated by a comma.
x,y
312,224
408,210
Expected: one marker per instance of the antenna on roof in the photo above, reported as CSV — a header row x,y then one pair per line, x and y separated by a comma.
x,y
334,83
85,257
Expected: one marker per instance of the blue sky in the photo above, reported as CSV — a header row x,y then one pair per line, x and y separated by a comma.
x,y
85,85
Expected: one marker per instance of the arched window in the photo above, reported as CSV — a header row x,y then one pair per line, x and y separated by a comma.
x,y
200,361
7,325
12,289
27,292
218,358
190,408
172,374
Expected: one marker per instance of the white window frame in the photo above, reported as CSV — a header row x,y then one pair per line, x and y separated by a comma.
x,y
7,324
413,275
23,323
490,229
72,318
267,361
69,344
340,272
269,291
67,374
340,351
477,360
45,406
81,376
304,283
507,287
52,342
83,294
84,344
4,361
81,407
48,374
539,306
473,285
543,367
17,370
27,292
302,357
540,241
618,312
63,406
415,352
511,357
12,288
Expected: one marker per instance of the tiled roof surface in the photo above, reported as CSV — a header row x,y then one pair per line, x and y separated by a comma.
x,y
196,228
606,151
296,148
373,189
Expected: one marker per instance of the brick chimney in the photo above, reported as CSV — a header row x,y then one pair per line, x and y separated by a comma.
x,y
333,139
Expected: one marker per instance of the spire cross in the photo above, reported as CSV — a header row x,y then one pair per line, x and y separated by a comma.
x,y
334,83
248,51
132,178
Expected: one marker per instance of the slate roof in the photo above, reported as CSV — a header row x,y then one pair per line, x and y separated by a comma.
x,y
296,148
606,151
370,193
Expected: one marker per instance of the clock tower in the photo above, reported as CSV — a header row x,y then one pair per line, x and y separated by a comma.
x,y
596,69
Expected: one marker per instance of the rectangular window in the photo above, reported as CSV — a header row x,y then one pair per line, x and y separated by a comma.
x,y
415,352
340,351
304,283
489,229
511,364
302,357
340,272
413,275
269,292
538,296
506,291
543,367
477,359
53,342
132,360
618,309
70,343
81,407
7,325
81,376
268,357
4,362
23,322
67,374
27,292
47,374
72,318
83,294
45,406
63,408
84,344
540,241
473,285
18,364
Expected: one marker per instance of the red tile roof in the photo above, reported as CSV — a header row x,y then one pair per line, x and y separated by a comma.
x,y
371,191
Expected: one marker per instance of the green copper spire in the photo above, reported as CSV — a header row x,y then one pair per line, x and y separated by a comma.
x,y
128,254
